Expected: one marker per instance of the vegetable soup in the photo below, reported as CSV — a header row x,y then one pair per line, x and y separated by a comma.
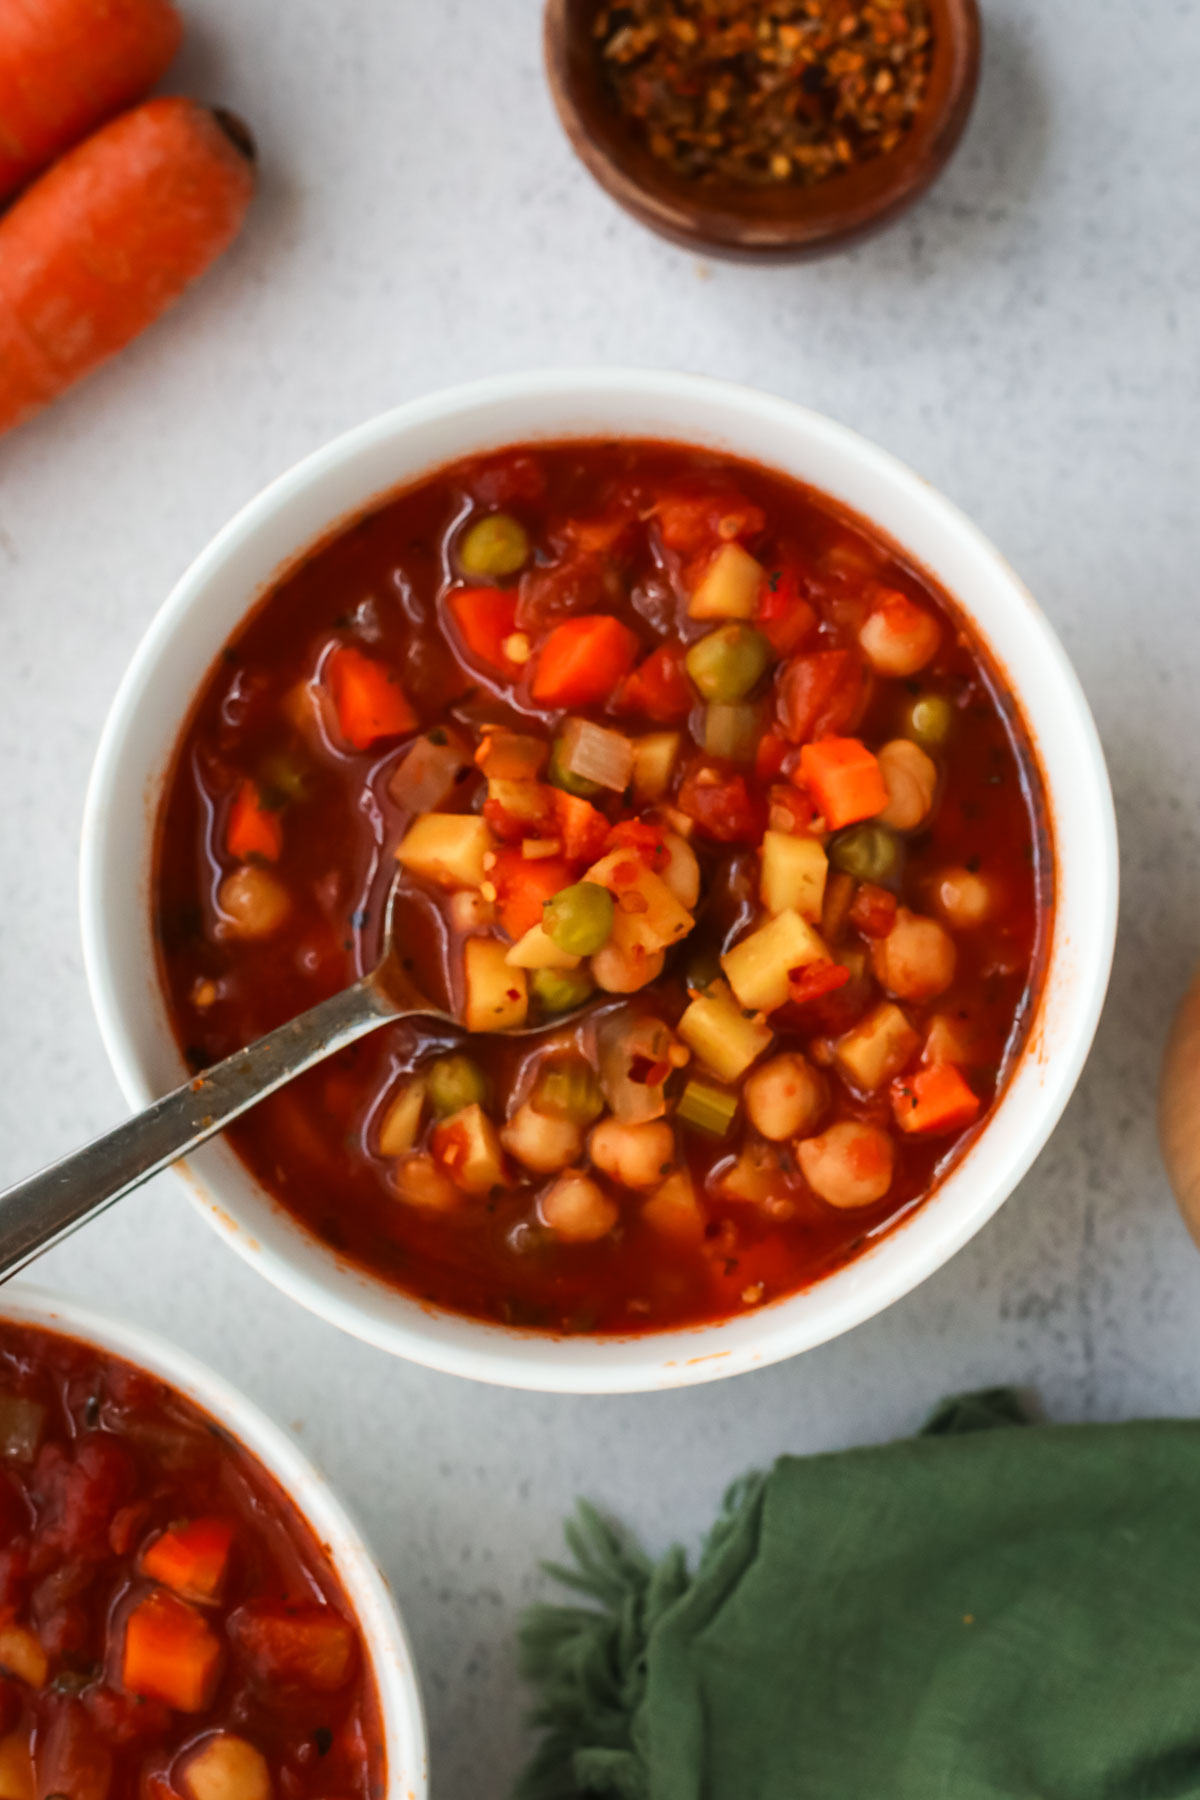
x,y
643,730
170,1629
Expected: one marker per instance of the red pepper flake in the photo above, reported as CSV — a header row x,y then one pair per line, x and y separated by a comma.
x,y
760,93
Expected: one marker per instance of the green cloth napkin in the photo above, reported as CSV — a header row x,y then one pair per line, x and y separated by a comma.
x,y
977,1613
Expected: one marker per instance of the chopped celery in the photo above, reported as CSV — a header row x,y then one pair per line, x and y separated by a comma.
x,y
455,1082
561,777
568,1089
707,1108
733,731
594,754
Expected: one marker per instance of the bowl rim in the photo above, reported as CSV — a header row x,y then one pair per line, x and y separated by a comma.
x,y
377,1613
847,1297
759,225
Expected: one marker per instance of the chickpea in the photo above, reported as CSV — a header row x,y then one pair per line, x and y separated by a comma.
x,y
784,1097
911,780
253,902
422,1182
899,637
849,1165
621,971
542,1144
470,912
578,1210
916,960
638,1156
682,873
964,898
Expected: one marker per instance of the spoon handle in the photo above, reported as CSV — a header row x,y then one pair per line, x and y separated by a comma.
x,y
38,1212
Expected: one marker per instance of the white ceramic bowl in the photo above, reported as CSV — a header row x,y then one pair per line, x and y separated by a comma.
x,y
383,1632
344,479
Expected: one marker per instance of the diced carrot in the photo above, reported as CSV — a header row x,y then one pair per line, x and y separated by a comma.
x,y
845,780
192,1558
171,1653
310,1645
524,884
658,688
934,1100
252,828
68,65
582,827
485,618
368,697
109,238
822,694
785,617
583,660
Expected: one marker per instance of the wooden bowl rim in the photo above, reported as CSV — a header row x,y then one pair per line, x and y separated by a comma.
x,y
762,224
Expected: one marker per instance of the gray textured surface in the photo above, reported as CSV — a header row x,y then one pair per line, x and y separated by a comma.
x,y
1028,340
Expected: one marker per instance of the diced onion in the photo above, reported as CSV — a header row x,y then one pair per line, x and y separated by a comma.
x,y
429,771
634,1061
594,753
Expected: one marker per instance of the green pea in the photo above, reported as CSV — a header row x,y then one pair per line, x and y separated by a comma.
x,y
868,852
558,990
727,663
494,547
560,776
455,1082
929,720
579,919
703,967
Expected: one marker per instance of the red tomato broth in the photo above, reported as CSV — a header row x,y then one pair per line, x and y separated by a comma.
x,y
381,585
112,1467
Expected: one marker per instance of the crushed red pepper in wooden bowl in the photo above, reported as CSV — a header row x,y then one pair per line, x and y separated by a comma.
x,y
762,91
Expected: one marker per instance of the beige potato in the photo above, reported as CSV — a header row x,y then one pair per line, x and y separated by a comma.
x,y
226,1767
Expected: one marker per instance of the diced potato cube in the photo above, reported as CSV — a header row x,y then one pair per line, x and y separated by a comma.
x,y
793,875
877,1048
447,848
758,967
511,755
401,1123
716,1030
467,1147
654,759
530,803
755,1176
729,587
657,918
537,950
497,996
226,1767
950,1040
420,1181
674,1211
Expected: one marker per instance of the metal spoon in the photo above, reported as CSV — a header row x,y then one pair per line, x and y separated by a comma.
x,y
39,1212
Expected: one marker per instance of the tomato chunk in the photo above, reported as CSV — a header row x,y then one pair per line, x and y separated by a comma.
x,y
722,806
312,1646
192,1558
690,522
583,660
171,1653
582,827
368,697
524,884
658,688
253,829
785,617
822,694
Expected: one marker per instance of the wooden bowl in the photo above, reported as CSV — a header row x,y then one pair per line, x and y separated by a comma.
x,y
778,224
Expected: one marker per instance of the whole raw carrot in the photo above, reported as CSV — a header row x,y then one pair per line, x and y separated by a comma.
x,y
68,65
108,238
